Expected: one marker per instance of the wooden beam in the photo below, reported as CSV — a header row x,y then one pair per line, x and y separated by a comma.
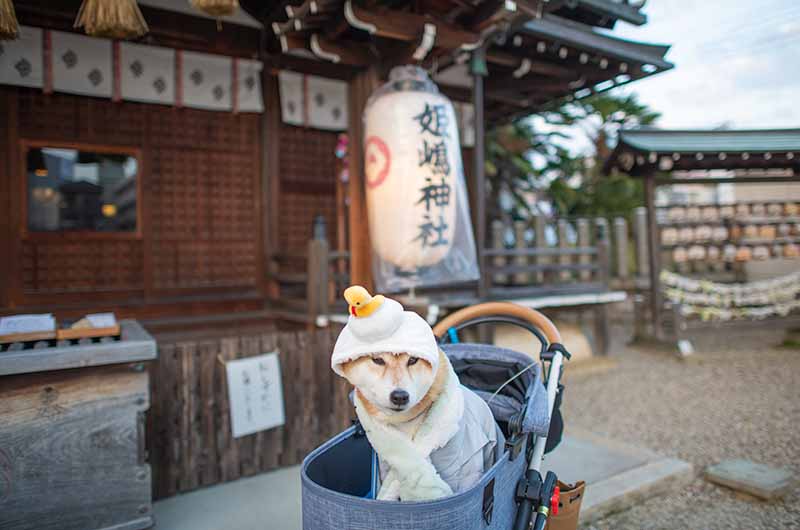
x,y
733,180
401,25
293,42
361,87
492,12
338,52
270,175
479,170
511,60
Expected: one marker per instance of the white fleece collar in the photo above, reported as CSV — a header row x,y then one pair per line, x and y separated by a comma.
x,y
411,475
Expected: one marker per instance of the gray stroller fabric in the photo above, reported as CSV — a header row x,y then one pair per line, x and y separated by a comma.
x,y
503,406
336,476
327,509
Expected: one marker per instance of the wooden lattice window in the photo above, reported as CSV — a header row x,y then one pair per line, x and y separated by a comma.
x,y
81,189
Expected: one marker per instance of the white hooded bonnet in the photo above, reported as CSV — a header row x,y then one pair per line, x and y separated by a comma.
x,y
388,329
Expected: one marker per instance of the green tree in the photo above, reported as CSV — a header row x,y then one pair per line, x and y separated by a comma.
x,y
590,192
573,182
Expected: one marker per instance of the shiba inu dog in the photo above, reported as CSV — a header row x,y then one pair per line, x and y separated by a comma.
x,y
433,436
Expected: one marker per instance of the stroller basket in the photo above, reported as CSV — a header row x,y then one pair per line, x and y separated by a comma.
x,y
336,476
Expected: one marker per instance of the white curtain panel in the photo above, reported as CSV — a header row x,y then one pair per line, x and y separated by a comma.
x,y
292,97
21,60
147,73
206,81
248,85
82,65
327,103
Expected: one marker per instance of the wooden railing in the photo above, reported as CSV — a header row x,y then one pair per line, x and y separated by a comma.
x,y
542,256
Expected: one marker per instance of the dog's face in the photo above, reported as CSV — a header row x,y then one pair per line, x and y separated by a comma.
x,y
394,382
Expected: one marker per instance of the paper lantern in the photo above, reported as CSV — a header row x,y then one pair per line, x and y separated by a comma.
x,y
702,233
767,232
761,253
719,233
412,162
669,236
710,213
696,253
676,213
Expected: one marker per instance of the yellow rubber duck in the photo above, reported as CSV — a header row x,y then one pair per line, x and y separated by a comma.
x,y
362,304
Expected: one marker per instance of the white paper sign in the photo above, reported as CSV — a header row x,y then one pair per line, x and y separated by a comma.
x,y
327,103
21,60
255,394
27,324
249,86
207,81
102,320
292,97
148,73
81,65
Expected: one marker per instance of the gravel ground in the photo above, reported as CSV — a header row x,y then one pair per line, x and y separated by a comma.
x,y
723,403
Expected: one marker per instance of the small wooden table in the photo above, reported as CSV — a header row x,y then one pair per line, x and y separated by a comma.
x,y
72,452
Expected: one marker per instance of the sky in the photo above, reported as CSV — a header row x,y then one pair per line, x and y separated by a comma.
x,y
737,62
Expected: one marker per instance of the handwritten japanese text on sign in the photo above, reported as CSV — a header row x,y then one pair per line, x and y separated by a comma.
x,y
255,394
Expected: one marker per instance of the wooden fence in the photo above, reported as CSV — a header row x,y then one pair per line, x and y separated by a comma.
x,y
189,433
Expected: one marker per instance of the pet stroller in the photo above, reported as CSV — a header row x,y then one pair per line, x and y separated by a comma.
x,y
337,477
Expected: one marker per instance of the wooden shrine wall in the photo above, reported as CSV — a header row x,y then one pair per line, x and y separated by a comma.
x,y
200,208
307,184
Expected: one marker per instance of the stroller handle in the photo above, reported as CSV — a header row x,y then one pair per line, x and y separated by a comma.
x,y
499,308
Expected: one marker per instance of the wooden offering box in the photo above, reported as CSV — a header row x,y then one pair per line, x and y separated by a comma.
x,y
72,452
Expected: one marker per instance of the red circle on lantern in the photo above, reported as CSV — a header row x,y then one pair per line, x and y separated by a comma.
x,y
383,172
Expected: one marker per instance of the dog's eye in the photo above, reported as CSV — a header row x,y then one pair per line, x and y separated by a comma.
x,y
412,361
378,361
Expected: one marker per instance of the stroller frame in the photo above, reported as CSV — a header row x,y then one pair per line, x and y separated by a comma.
x,y
533,493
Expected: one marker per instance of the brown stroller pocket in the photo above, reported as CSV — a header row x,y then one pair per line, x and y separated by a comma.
x,y
569,507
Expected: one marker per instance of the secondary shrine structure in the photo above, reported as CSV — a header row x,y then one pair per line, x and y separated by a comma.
x,y
762,226
176,178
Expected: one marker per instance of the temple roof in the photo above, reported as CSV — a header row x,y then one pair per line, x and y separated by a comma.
x,y
643,151
538,52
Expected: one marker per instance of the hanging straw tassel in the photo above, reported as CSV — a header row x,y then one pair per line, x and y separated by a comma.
x,y
216,8
9,28
116,19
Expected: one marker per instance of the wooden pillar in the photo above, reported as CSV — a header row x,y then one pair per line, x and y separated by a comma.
x,y
640,235
478,71
540,229
361,86
8,135
270,176
621,248
653,248
584,241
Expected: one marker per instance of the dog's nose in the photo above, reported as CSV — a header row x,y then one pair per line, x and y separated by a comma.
x,y
399,397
